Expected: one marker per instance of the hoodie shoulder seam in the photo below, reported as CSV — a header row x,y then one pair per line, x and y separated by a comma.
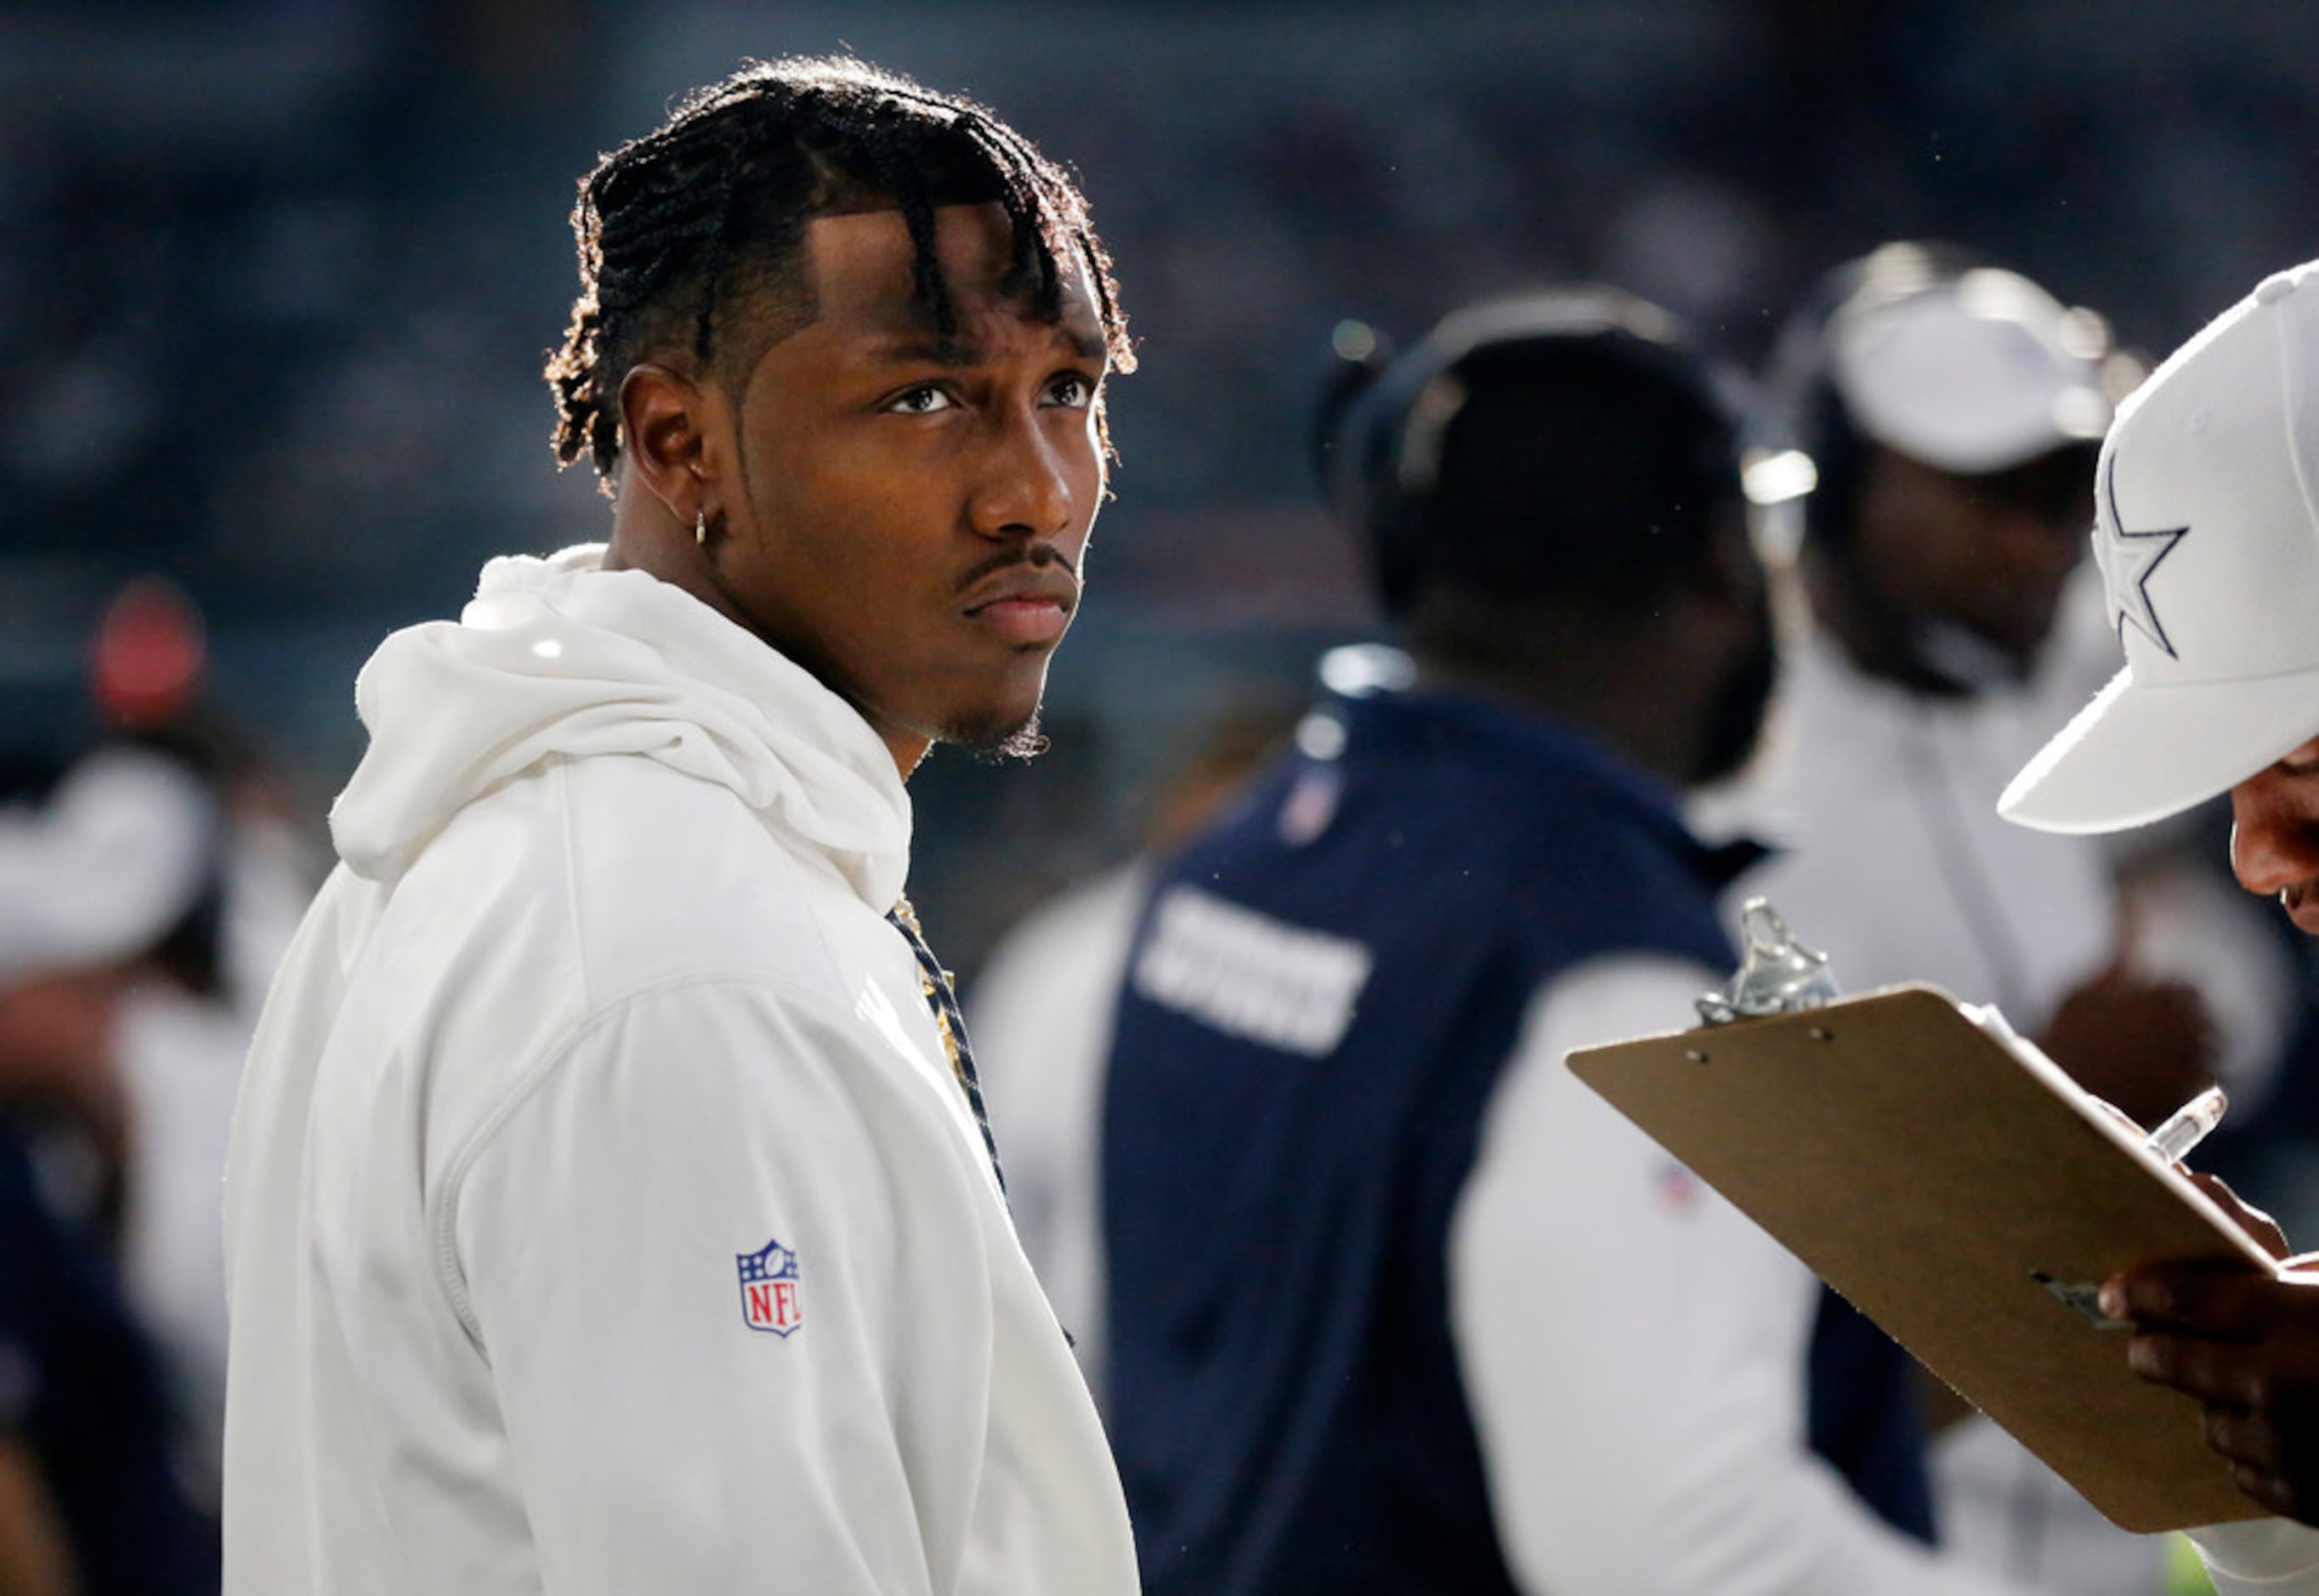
x,y
560,777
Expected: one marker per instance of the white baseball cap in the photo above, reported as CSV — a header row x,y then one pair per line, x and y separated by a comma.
x,y
1970,372
2208,534
115,856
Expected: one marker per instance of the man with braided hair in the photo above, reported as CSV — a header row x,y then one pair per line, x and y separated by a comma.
x,y
609,1209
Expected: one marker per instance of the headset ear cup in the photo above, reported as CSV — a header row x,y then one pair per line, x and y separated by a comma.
x,y
1362,473
1351,443
1334,445
1394,531
1802,409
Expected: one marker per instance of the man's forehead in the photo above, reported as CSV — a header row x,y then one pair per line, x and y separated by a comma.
x,y
863,266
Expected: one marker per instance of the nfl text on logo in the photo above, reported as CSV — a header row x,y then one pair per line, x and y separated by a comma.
x,y
769,1289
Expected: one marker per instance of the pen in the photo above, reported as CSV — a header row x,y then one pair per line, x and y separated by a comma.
x,y
2188,1125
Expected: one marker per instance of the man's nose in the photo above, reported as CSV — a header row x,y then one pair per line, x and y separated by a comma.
x,y
2274,831
1027,488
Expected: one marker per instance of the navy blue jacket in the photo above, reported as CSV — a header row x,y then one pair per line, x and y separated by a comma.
x,y
1322,996
82,1387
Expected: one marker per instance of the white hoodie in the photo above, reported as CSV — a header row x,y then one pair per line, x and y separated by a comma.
x,y
603,1215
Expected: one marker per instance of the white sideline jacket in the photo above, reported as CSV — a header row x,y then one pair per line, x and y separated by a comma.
x,y
600,1003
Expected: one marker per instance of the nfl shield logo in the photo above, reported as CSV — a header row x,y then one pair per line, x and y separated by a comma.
x,y
769,1289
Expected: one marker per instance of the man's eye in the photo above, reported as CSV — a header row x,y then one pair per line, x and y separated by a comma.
x,y
921,401
1071,392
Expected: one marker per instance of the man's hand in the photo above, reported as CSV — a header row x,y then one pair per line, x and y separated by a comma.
x,y
2246,1346
2244,1214
2145,1045
35,1554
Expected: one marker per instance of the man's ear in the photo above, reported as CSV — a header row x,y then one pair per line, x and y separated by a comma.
x,y
666,421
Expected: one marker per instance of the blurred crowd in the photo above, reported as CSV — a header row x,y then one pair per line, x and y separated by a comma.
x,y
152,869
278,278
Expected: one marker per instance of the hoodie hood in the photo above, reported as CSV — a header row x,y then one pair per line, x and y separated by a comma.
x,y
558,658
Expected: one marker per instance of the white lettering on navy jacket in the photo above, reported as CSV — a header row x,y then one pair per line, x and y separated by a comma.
x,y
603,1215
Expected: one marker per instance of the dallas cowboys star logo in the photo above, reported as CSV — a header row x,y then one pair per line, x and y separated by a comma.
x,y
2127,560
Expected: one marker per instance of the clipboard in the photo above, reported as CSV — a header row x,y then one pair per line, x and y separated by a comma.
x,y
1970,1198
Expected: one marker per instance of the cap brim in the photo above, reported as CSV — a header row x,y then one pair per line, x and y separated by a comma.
x,y
2138,753
121,851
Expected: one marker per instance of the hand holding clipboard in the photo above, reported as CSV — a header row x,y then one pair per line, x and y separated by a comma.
x,y
1963,1192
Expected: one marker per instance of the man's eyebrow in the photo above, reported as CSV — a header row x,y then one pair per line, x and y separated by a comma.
x,y
920,351
959,352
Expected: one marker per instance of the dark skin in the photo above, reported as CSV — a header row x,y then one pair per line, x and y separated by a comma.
x,y
2143,1045
903,516
56,1054
1643,677
1988,557
2246,1345
34,1560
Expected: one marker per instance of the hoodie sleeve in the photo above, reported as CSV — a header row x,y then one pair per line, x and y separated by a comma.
x,y
2261,1557
1634,1348
730,1273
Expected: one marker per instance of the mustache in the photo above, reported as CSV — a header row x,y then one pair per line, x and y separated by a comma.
x,y
1036,556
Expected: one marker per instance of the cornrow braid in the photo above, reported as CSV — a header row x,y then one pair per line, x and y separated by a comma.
x,y
709,213
900,178
704,322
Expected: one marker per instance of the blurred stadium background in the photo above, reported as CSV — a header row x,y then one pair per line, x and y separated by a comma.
x,y
276,278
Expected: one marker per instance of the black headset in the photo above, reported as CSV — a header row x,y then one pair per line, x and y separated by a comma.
x,y
1385,433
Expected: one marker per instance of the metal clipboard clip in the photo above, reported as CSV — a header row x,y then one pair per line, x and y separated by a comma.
x,y
1777,975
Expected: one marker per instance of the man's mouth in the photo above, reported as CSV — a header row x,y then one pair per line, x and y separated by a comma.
x,y
1026,605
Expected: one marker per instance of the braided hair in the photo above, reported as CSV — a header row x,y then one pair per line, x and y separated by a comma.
x,y
693,235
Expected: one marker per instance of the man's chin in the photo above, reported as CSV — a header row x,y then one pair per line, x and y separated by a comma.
x,y
995,742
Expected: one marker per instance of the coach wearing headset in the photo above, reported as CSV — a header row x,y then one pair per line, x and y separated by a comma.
x,y
1396,1304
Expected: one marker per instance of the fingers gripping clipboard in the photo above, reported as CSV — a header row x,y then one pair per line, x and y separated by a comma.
x,y
1970,1198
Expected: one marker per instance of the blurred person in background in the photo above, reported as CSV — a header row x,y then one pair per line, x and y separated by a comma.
x,y
1950,411
184,1019
90,1503
110,1432
607,1209
1041,1013
1396,1303
148,680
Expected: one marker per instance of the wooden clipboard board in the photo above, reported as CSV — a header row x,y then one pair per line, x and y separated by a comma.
x,y
1969,1199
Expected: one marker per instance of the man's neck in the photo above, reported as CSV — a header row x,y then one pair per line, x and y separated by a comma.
x,y
646,537
1629,681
